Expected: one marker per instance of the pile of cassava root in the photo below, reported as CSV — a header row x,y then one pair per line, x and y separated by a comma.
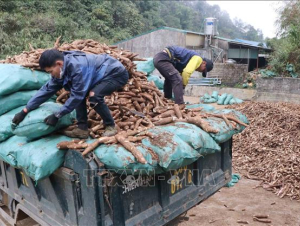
x,y
269,149
137,107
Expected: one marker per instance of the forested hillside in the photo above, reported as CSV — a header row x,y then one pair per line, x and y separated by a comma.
x,y
285,59
41,22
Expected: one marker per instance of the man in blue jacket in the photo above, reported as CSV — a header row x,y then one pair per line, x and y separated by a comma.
x,y
176,65
95,76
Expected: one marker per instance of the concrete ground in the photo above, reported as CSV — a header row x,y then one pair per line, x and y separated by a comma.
x,y
241,202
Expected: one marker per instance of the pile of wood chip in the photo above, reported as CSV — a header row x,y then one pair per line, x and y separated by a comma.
x,y
269,149
138,106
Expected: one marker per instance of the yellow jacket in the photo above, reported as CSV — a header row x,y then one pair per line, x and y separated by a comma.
x,y
192,65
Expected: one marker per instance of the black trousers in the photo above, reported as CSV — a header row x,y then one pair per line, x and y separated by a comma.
x,y
173,79
104,88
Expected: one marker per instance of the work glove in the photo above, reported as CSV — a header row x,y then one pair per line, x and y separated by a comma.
x,y
51,120
18,118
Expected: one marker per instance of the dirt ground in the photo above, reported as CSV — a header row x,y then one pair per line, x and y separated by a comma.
x,y
192,100
229,205
241,202
196,100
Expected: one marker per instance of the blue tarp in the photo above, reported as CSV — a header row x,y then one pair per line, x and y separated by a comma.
x,y
16,78
38,159
33,126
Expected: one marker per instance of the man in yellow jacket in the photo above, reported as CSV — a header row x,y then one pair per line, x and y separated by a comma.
x,y
176,65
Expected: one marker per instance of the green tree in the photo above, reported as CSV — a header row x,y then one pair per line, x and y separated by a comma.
x,y
287,45
41,22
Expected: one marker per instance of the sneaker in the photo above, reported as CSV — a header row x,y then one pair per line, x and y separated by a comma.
x,y
110,131
77,133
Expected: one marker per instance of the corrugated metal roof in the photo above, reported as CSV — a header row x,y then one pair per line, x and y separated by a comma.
x,y
160,28
246,43
235,41
253,43
148,32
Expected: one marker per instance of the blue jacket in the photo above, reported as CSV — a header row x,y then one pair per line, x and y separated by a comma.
x,y
81,72
180,57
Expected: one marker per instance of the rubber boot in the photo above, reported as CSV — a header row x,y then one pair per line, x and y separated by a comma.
x,y
77,133
110,131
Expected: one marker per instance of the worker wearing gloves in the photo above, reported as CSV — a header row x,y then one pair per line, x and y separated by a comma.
x,y
176,64
95,76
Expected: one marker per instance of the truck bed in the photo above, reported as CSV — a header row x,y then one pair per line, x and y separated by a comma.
x,y
83,192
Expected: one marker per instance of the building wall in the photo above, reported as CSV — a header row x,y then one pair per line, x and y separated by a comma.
x,y
197,91
221,46
231,74
243,53
278,85
195,41
149,44
278,90
205,53
271,90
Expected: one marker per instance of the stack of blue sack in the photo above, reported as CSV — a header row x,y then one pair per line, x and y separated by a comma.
x,y
32,146
148,68
224,99
174,145
22,145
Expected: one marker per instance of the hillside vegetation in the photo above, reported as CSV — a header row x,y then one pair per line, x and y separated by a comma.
x,y
285,59
41,22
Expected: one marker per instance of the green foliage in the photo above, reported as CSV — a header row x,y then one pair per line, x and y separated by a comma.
x,y
265,73
285,60
41,22
291,69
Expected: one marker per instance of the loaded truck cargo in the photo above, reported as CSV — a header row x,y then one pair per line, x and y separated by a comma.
x,y
165,158
82,192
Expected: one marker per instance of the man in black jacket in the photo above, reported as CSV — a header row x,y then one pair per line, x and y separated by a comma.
x,y
83,75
